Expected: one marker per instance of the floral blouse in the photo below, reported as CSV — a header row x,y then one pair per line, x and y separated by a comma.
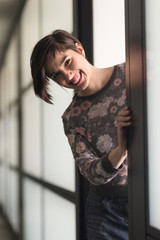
x,y
90,125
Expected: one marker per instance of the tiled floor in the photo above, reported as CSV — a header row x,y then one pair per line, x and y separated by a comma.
x,y
5,233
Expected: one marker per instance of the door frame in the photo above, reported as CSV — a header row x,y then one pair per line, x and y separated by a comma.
x,y
138,191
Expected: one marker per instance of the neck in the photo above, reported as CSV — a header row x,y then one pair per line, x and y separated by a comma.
x,y
99,78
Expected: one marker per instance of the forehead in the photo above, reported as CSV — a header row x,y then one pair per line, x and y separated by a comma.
x,y
55,57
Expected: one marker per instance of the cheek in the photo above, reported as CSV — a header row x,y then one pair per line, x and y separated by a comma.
x,y
76,64
61,82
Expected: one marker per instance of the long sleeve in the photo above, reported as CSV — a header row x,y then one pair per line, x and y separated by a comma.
x,y
96,169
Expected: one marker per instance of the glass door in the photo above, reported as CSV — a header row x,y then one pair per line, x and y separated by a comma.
x,y
152,38
143,58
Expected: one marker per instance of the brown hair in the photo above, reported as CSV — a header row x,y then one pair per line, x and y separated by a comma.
x,y
59,40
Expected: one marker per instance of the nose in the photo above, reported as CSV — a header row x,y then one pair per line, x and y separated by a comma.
x,y
68,74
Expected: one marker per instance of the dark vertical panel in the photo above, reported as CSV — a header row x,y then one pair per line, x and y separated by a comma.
x,y
83,30
81,197
85,26
135,85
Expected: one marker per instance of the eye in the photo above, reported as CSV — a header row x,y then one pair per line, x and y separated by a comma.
x,y
67,62
55,75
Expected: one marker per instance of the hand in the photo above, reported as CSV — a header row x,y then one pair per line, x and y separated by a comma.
x,y
117,155
123,122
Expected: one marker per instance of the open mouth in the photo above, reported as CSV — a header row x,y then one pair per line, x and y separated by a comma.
x,y
77,79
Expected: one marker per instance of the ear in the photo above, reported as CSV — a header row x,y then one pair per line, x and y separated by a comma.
x,y
80,49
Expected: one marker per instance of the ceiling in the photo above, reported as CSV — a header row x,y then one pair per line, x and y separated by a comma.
x,y
8,12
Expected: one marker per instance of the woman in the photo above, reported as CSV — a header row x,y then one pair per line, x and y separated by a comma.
x,y
95,123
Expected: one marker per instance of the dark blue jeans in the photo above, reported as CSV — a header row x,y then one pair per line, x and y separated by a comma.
x,y
106,218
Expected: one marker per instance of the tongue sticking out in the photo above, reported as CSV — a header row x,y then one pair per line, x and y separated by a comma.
x,y
76,78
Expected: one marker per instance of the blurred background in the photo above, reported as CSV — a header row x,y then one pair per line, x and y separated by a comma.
x,y
40,188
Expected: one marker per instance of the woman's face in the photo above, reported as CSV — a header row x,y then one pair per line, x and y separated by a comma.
x,y
69,69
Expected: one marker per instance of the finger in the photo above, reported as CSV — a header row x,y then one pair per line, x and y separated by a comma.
x,y
126,108
124,112
123,118
124,124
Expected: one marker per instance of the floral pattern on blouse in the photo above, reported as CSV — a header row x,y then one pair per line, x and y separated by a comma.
x,y
90,126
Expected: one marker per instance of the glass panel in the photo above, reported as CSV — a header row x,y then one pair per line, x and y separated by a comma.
x,y
57,14
31,133
29,36
7,189
13,136
59,218
2,186
153,99
4,86
32,210
59,165
108,32
12,69
14,200
2,139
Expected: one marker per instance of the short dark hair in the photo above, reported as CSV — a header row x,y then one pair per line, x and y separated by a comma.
x,y
59,40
